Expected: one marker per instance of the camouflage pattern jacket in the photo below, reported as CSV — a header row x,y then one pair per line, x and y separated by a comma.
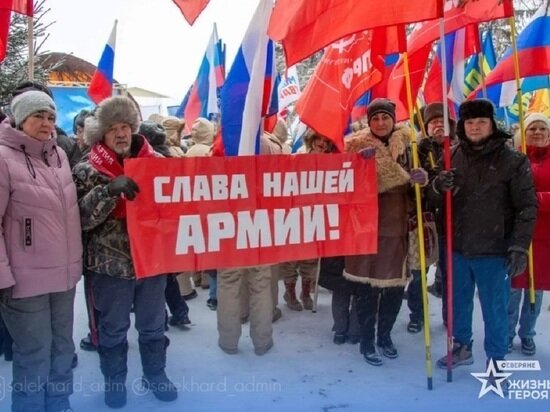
x,y
105,238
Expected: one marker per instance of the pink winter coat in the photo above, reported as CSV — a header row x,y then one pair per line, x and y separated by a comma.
x,y
40,241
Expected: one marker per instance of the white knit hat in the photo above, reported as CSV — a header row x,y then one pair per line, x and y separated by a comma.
x,y
25,104
537,117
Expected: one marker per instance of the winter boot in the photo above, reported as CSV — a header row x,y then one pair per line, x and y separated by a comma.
x,y
387,348
462,355
307,303
113,365
370,353
153,360
290,296
528,346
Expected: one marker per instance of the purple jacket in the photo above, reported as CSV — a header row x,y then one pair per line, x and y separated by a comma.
x,y
40,241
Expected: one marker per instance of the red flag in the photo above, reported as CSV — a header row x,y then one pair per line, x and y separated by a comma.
x,y
18,6
457,16
397,91
191,8
346,72
5,16
306,26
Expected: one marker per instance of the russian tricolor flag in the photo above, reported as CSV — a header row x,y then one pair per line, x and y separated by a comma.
x,y
101,85
248,81
203,99
533,46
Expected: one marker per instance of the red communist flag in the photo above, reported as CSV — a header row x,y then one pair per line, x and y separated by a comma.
x,y
18,6
346,72
306,26
191,9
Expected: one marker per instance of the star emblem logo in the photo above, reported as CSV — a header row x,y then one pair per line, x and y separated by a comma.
x,y
491,380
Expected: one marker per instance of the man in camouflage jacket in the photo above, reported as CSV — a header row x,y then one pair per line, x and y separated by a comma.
x,y
103,191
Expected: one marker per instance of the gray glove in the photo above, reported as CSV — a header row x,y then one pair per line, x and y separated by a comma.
x,y
445,180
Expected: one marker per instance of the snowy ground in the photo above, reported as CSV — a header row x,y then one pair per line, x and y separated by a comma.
x,y
304,371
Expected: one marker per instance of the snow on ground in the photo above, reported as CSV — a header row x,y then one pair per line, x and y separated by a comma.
x,y
304,371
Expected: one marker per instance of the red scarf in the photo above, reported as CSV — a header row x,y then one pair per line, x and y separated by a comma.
x,y
106,161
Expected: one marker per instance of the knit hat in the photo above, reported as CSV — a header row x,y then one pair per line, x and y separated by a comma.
x,y
27,103
381,105
537,117
116,109
202,131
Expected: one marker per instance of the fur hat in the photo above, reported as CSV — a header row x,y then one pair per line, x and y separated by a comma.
x,y
381,105
27,103
116,109
202,131
471,109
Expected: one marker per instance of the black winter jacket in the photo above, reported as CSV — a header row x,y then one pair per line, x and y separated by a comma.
x,y
494,200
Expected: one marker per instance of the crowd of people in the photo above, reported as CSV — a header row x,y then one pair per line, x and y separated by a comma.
x,y
63,207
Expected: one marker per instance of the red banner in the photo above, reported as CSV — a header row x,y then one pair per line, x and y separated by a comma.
x,y
209,213
345,73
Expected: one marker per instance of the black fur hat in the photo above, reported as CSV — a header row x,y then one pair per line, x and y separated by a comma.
x,y
470,109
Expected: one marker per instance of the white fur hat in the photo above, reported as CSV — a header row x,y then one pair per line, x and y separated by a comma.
x,y
537,117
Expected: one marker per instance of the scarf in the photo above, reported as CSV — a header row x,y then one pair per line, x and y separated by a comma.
x,y
106,161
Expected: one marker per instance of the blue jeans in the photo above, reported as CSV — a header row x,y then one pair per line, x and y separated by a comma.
x,y
114,298
493,284
527,320
43,349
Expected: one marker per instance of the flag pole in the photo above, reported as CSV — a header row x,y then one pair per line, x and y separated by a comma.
x,y
30,46
418,198
512,23
448,203
480,58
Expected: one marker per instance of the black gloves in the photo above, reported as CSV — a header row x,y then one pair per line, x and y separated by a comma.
x,y
123,185
444,181
516,263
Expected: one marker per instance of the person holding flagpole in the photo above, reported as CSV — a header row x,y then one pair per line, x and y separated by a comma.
x,y
382,277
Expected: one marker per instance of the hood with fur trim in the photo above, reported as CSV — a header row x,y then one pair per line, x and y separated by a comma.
x,y
116,109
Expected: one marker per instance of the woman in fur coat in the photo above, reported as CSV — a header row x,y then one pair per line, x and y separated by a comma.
x,y
383,276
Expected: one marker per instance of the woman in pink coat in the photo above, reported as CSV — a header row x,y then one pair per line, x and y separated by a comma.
x,y
40,254
537,134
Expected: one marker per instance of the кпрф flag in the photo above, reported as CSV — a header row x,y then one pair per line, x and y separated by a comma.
x,y
203,98
101,85
242,97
